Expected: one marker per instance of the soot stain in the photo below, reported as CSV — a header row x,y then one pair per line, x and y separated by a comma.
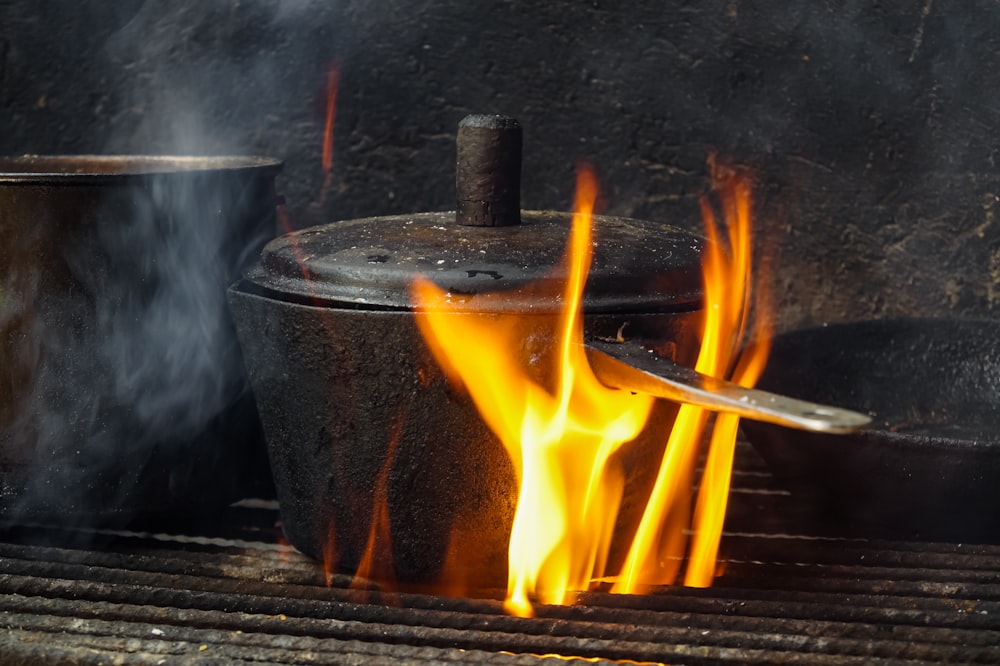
x,y
493,274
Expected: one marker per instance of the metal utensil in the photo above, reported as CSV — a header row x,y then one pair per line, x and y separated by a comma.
x,y
630,366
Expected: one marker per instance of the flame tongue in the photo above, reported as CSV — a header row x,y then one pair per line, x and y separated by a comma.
x,y
560,436
530,380
656,552
332,83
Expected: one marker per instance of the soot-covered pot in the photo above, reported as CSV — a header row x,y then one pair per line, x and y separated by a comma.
x,y
357,414
369,443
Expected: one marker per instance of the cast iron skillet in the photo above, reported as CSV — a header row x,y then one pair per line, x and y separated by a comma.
x,y
929,465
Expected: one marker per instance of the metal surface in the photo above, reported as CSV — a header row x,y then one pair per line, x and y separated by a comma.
x,y
929,463
630,366
230,591
88,169
352,401
638,266
122,388
488,171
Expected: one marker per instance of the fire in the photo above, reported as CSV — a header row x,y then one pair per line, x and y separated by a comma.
x,y
326,158
560,437
561,425
376,560
659,545
332,83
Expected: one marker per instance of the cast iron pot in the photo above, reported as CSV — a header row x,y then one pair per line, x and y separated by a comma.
x,y
122,389
929,465
356,413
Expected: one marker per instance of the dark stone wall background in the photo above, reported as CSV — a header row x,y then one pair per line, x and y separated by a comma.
x,y
871,125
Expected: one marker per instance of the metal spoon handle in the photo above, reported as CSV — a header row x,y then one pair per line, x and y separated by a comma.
x,y
631,367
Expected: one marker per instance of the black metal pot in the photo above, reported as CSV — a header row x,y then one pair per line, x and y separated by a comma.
x,y
357,414
929,464
122,389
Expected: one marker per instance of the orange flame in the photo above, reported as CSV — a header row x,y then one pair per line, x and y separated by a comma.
x,y
376,561
659,545
326,160
284,219
562,429
332,83
560,438
375,565
728,289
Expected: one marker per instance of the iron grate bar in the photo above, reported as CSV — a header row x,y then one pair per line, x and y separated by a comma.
x,y
947,612
786,597
745,580
142,638
580,629
298,634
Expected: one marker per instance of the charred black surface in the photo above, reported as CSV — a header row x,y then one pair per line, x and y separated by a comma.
x,y
637,266
359,419
230,592
358,416
488,171
927,466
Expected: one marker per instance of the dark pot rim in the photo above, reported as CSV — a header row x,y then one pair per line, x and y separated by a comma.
x,y
86,169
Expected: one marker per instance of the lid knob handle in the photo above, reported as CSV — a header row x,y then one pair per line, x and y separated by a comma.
x,y
488,171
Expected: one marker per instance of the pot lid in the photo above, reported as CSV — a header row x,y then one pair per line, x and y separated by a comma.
x,y
637,266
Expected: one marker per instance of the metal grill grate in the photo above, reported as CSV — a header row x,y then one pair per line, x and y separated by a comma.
x,y
234,594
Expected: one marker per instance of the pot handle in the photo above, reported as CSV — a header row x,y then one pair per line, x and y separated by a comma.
x,y
630,366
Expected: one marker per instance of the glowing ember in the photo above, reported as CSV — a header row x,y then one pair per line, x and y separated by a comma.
x,y
561,426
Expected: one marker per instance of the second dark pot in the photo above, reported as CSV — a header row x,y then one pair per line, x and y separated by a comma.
x,y
122,388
